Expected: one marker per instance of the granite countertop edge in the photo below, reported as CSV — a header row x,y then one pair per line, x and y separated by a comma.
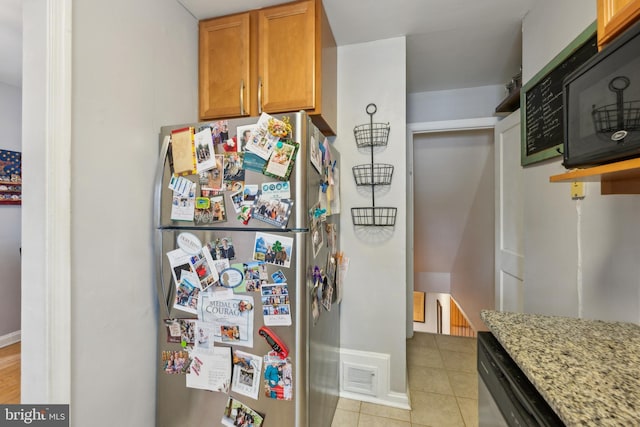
x,y
588,371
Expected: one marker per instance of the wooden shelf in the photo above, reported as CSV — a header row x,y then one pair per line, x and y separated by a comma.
x,y
511,103
616,178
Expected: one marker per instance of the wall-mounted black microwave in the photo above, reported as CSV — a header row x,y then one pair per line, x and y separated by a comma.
x,y
602,105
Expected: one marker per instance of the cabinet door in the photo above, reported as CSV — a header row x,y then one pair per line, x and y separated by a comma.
x,y
614,16
224,66
286,66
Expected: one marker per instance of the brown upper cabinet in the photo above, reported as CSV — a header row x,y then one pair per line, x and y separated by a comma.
x,y
274,60
614,16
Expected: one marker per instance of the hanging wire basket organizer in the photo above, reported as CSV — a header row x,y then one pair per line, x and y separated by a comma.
x,y
371,135
374,216
373,174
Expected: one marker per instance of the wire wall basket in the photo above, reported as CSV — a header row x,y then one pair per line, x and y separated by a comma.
x,y
373,174
371,135
374,216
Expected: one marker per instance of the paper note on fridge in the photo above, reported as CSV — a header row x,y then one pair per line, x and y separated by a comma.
x,y
232,318
210,370
183,207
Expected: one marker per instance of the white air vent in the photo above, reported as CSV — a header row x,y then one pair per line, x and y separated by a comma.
x,y
360,378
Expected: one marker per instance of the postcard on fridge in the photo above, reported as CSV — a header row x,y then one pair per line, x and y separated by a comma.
x,y
205,157
210,370
187,293
276,307
272,211
262,142
278,377
273,249
183,207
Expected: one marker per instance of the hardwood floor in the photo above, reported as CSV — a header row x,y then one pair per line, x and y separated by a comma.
x,y
10,374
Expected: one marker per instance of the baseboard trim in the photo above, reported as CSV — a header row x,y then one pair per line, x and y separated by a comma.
x,y
10,338
395,400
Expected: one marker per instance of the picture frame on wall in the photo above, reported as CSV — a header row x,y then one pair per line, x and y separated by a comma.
x,y
10,177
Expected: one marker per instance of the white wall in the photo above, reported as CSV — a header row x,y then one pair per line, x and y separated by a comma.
x,y
454,104
134,69
472,272
10,123
580,256
126,85
34,381
374,306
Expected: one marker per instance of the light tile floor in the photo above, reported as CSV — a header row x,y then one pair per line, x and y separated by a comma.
x,y
443,388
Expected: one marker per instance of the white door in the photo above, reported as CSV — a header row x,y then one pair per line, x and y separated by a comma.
x,y
509,258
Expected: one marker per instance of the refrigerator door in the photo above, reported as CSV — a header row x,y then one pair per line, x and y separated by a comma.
x,y
179,406
324,336
298,220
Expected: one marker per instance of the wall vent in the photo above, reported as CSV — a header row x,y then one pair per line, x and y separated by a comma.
x,y
360,378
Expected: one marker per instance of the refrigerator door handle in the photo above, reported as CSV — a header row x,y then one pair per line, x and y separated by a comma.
x,y
158,239
157,190
161,289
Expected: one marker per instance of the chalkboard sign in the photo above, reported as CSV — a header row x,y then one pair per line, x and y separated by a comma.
x,y
542,117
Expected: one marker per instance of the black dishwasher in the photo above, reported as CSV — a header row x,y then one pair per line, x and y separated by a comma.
x,y
505,396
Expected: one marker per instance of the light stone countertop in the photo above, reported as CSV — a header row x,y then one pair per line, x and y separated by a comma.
x,y
587,370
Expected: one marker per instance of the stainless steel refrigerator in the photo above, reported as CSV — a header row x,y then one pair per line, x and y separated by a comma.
x,y
313,342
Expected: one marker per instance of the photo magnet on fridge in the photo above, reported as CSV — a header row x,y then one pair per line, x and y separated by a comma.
x,y
247,372
237,414
175,362
262,141
278,377
187,293
234,172
273,249
181,331
210,210
281,162
272,211
276,307
205,158
211,179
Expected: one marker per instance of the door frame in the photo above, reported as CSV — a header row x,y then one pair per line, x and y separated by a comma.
x,y
58,206
416,129
52,355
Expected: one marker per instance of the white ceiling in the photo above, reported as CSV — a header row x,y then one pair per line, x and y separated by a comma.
x,y
450,43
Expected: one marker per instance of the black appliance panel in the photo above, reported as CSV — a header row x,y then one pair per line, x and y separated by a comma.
x,y
516,397
602,105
